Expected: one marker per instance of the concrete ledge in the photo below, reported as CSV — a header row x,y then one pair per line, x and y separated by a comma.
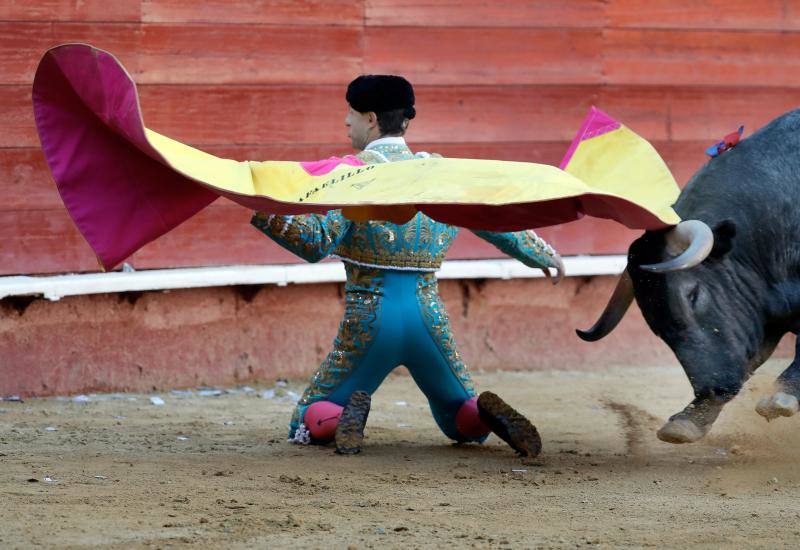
x,y
57,286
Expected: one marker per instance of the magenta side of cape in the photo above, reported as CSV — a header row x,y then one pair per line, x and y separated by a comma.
x,y
119,191
322,167
515,217
595,124
114,185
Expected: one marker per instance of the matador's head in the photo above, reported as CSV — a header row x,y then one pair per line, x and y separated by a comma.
x,y
380,105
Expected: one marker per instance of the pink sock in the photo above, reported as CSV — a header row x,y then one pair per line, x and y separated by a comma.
x,y
321,419
468,420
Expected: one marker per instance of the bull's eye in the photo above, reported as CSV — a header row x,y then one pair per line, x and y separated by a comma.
x,y
693,295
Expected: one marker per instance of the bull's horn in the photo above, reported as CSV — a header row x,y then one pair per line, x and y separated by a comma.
x,y
615,310
691,240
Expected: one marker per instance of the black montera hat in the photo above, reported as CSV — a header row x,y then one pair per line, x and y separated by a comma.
x,y
381,92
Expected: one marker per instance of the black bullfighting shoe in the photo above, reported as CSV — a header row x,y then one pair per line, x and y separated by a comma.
x,y
509,425
350,430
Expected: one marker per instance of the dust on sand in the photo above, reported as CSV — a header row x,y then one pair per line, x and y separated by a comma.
x,y
217,472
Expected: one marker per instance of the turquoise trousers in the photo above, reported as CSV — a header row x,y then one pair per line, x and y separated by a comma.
x,y
392,318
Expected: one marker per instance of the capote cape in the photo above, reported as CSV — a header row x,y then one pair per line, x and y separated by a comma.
x,y
125,185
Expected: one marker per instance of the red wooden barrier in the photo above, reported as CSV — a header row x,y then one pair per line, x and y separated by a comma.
x,y
272,12
506,80
480,13
774,15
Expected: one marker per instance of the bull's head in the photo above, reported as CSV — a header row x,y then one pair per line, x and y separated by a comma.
x,y
696,312
690,241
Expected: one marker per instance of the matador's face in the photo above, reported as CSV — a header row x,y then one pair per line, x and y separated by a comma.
x,y
361,128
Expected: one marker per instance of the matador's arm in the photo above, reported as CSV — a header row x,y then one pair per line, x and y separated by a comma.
x,y
528,248
310,236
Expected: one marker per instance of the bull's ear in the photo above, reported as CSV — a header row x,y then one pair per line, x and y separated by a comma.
x,y
724,233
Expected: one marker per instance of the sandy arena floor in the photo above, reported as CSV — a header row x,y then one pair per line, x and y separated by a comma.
x,y
216,472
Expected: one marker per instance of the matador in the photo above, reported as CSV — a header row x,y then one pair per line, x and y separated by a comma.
x,y
393,312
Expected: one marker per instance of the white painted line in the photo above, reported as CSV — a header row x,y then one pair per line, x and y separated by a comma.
x,y
54,287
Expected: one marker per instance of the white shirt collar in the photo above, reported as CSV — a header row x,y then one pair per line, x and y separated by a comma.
x,y
390,140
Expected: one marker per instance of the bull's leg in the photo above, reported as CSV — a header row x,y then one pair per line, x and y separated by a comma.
x,y
693,422
784,401
712,391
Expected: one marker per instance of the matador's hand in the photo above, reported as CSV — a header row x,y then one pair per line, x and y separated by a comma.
x,y
558,265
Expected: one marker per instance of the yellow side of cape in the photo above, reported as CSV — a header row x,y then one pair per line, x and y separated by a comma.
x,y
603,165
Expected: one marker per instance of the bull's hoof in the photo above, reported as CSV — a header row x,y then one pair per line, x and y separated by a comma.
x,y
777,404
680,430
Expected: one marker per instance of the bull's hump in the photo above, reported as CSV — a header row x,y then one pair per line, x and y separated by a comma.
x,y
762,169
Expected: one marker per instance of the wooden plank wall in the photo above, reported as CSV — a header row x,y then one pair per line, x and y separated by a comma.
x,y
264,79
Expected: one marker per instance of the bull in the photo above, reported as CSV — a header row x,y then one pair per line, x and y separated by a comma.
x,y
723,287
